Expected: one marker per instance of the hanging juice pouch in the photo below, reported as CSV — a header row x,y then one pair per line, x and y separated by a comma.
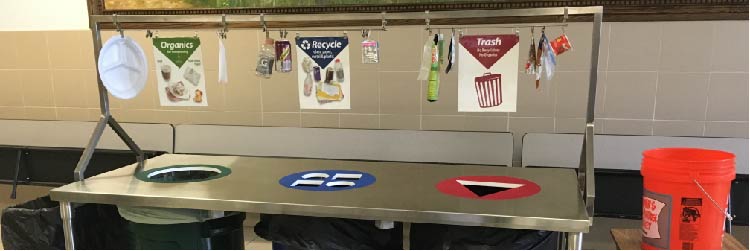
x,y
560,44
283,50
370,52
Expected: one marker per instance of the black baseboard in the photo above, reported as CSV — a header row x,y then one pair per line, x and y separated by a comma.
x,y
54,166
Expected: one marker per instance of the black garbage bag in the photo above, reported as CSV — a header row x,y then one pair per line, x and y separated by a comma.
x,y
36,224
435,236
302,232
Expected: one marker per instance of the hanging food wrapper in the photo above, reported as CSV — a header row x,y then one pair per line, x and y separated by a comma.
x,y
451,53
426,63
440,44
370,50
531,64
561,44
283,50
433,84
223,75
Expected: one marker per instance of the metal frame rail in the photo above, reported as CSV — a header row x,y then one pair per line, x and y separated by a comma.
x,y
585,171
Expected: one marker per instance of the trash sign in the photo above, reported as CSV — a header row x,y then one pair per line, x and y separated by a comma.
x,y
488,73
488,187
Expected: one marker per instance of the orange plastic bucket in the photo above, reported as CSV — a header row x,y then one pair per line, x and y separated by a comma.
x,y
685,197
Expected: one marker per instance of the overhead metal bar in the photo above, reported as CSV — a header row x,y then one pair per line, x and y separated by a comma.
x,y
303,18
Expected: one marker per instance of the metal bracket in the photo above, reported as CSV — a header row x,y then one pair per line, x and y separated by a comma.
x,y
383,22
427,21
117,25
263,24
224,29
565,19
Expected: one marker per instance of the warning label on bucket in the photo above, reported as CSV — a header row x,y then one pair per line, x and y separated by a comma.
x,y
656,219
690,216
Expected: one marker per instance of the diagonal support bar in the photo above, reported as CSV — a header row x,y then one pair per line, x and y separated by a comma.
x,y
140,157
83,162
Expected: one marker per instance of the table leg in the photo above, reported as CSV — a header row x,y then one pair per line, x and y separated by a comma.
x,y
574,241
66,213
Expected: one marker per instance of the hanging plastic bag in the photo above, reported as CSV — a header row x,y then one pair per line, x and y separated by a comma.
x,y
223,74
426,64
548,58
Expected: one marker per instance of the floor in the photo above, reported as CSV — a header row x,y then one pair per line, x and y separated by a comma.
x,y
598,238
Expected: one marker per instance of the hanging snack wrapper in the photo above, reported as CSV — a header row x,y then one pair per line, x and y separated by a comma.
x,y
440,44
531,63
561,44
370,52
451,53
426,63
283,49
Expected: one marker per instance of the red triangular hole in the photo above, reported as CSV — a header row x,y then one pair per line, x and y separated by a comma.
x,y
488,49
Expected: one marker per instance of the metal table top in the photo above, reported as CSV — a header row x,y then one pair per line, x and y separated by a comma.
x,y
403,192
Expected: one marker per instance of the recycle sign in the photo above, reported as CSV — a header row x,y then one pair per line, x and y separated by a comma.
x,y
488,187
327,180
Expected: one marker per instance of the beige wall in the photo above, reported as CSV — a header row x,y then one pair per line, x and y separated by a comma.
x,y
657,78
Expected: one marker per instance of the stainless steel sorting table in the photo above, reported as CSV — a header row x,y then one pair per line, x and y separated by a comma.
x,y
402,192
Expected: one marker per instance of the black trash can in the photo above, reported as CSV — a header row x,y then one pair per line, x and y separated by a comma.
x,y
303,232
225,233
436,236
36,224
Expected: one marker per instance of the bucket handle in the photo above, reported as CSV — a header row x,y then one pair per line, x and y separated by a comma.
x,y
724,210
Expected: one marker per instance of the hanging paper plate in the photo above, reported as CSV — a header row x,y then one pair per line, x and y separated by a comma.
x,y
122,67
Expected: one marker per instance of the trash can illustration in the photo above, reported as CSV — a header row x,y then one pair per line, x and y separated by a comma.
x,y
489,91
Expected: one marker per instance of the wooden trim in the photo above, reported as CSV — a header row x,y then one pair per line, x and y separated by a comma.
x,y
615,10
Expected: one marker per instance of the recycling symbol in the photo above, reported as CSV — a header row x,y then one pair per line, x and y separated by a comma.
x,y
305,45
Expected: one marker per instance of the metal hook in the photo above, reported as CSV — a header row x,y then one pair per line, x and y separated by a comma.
x,y
149,34
565,20
263,24
195,34
427,21
383,22
518,31
117,25
296,35
346,35
224,29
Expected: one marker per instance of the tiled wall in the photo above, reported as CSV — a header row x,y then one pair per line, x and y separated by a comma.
x,y
657,78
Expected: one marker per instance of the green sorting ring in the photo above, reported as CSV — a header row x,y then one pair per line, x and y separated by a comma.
x,y
145,175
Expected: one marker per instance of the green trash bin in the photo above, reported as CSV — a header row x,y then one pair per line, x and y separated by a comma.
x,y
225,233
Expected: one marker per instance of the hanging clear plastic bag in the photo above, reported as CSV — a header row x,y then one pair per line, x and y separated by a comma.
x,y
223,74
426,64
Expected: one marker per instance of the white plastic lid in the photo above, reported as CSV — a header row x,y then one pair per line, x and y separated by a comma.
x,y
122,67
